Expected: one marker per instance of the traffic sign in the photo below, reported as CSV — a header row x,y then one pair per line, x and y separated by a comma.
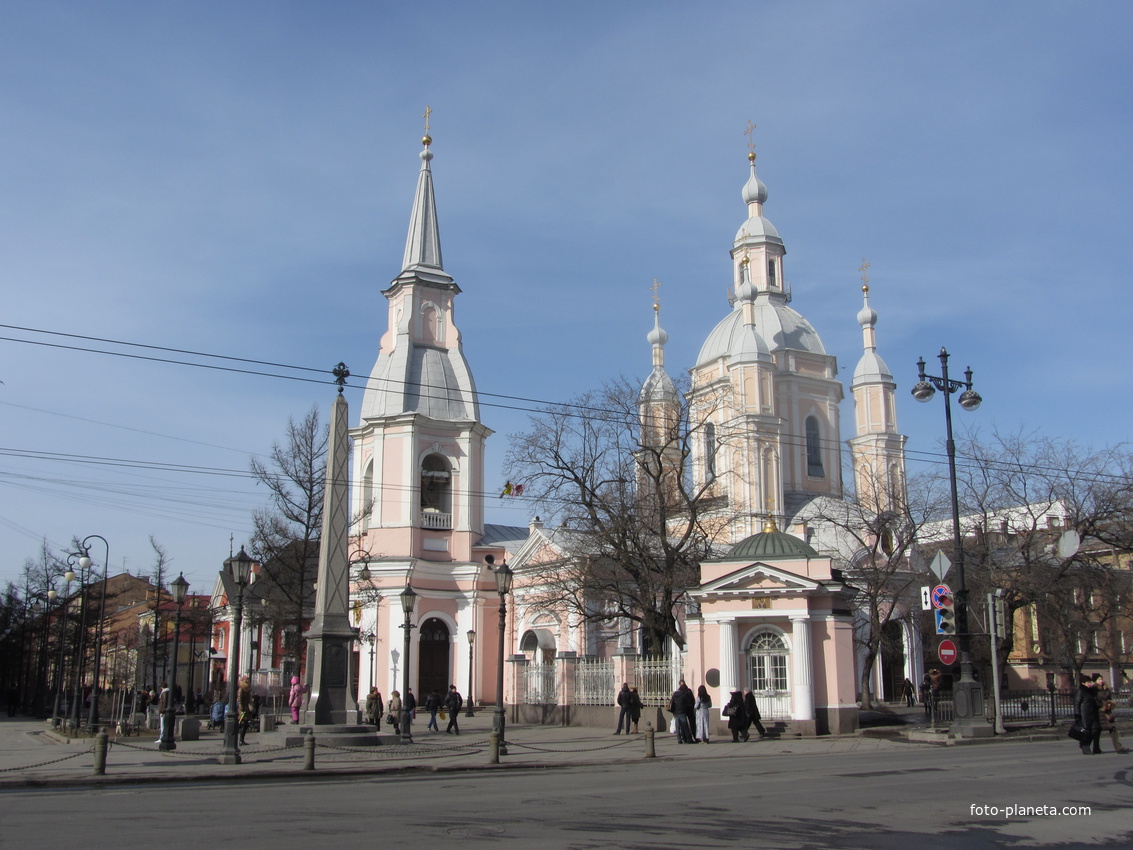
x,y
941,596
947,652
926,598
940,565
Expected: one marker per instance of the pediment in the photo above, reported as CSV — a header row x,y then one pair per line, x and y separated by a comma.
x,y
757,579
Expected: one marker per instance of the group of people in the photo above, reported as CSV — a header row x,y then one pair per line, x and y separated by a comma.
x,y
393,710
692,714
1094,710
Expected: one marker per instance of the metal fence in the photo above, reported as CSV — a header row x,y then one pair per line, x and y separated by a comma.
x,y
656,679
540,684
594,682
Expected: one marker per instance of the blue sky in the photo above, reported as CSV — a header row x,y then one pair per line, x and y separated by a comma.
x,y
236,178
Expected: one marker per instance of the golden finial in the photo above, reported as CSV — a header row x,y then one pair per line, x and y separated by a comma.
x,y
750,133
865,278
656,287
770,526
427,139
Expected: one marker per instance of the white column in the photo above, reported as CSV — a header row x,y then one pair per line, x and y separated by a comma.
x,y
729,679
802,667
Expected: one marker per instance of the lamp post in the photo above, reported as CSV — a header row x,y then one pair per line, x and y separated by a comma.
x,y
84,563
180,587
468,702
239,569
60,679
408,600
504,576
967,695
77,688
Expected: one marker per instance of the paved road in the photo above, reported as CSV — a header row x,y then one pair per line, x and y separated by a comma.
x,y
825,793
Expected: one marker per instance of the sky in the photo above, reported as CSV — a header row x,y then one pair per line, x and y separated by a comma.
x,y
235,179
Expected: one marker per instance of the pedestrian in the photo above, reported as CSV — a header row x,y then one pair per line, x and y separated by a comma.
x,y
13,699
635,707
753,716
1086,713
453,702
295,698
737,715
622,701
411,703
926,693
393,711
433,705
163,706
244,706
907,693
682,704
379,708
1106,707
702,708
372,710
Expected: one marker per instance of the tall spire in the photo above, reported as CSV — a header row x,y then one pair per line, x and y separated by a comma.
x,y
658,387
423,245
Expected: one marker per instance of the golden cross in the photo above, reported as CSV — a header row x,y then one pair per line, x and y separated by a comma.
x,y
428,110
865,278
749,132
656,299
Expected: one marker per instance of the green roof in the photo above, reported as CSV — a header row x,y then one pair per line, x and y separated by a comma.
x,y
771,546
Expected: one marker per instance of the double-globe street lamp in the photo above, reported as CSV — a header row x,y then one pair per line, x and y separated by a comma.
x,y
85,563
238,568
408,601
504,575
60,679
967,694
468,702
180,587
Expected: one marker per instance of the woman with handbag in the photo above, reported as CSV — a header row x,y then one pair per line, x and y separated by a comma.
x,y
393,711
736,714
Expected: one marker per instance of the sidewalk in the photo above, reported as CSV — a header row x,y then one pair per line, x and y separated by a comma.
x,y
31,754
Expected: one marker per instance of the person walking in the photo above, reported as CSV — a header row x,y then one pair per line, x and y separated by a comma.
x,y
1087,713
295,698
394,711
751,710
702,707
453,702
737,715
682,704
411,703
433,705
372,708
244,706
162,707
624,708
1106,708
907,693
635,707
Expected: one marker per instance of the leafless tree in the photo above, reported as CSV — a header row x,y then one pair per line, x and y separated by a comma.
x,y
631,522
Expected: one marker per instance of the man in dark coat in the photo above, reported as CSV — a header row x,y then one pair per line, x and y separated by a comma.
x,y
751,710
682,704
453,702
624,699
1086,712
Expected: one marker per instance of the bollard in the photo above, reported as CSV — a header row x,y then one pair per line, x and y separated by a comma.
x,y
100,744
650,753
494,747
309,743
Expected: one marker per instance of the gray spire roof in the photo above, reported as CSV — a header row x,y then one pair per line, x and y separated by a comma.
x,y
423,245
871,369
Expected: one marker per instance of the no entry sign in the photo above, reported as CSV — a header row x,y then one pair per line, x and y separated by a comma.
x,y
946,652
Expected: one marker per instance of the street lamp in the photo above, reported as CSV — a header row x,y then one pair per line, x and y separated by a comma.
x,y
408,600
504,576
468,702
60,679
84,563
239,569
179,587
967,695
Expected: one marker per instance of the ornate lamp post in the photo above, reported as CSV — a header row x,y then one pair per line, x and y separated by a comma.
x,y
60,679
369,638
179,587
84,563
468,702
408,600
967,694
238,568
504,576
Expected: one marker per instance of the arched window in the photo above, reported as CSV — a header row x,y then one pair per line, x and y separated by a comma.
x,y
710,452
813,448
436,492
772,280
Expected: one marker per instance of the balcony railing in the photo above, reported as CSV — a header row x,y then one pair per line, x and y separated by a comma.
x,y
436,521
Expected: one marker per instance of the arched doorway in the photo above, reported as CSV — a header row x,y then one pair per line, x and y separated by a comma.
x,y
434,665
768,654
892,660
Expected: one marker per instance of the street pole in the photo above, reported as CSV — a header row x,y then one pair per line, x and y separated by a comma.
x,y
180,588
408,600
468,702
60,679
993,639
92,719
238,568
504,576
967,694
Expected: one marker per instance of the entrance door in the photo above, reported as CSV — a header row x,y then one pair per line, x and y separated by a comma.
x,y
435,667
768,656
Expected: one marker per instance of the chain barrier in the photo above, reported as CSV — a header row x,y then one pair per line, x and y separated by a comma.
x,y
46,763
624,743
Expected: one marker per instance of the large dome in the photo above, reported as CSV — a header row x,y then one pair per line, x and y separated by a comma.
x,y
777,324
771,546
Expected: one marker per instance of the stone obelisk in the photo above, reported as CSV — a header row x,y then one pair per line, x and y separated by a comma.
x,y
330,698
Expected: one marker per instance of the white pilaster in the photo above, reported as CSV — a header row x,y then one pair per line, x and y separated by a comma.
x,y
803,673
729,678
